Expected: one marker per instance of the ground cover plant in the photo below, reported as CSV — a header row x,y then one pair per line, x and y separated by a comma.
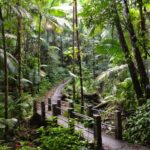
x,y
137,125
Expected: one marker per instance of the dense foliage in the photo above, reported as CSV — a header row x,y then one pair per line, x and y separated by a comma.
x,y
137,126
60,138
102,47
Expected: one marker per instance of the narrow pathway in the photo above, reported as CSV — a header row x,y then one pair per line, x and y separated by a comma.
x,y
57,93
109,143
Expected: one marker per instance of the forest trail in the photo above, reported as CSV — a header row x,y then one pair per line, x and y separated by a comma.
x,y
109,143
57,93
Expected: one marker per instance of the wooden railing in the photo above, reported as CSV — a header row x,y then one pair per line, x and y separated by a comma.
x,y
92,114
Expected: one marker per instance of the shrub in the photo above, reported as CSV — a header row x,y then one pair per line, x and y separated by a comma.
x,y
138,126
53,138
45,85
4,147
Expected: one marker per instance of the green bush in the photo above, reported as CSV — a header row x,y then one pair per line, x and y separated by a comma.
x,y
4,147
26,145
45,85
53,138
138,126
21,107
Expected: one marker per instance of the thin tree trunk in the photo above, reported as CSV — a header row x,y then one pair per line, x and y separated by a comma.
x,y
26,45
5,64
54,37
132,69
93,55
19,52
39,49
47,38
79,58
62,54
73,49
143,27
137,54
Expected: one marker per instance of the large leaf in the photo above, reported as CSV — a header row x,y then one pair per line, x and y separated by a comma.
x,y
109,47
54,48
111,72
9,36
22,12
11,61
34,76
72,74
24,81
58,13
7,122
58,22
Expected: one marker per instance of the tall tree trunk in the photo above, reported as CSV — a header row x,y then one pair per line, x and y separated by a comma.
x,y
132,69
62,53
93,55
26,45
79,57
5,64
137,54
19,52
54,37
39,49
143,27
73,49
47,36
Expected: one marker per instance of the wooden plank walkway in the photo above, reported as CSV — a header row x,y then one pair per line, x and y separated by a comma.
x,y
109,143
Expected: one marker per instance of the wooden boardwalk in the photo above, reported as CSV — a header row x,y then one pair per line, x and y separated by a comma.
x,y
109,143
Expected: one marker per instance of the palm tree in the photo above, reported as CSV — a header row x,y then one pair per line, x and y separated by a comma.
x,y
50,19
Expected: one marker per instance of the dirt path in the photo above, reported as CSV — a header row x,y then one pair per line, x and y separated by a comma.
x,y
109,143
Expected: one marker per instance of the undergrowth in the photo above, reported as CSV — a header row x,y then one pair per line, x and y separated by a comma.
x,y
137,128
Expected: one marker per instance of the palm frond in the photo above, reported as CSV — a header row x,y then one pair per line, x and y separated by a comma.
x,y
9,36
109,47
54,48
111,72
22,12
11,61
24,81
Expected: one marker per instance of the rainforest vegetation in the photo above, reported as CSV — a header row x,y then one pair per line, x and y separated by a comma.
x,y
100,49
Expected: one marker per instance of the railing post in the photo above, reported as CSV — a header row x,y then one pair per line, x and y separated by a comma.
x,y
54,112
97,132
89,111
34,107
71,122
43,115
59,107
71,105
54,109
118,125
49,104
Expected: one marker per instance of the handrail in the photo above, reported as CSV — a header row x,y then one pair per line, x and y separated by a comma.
x,y
60,108
109,125
82,116
101,111
92,114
